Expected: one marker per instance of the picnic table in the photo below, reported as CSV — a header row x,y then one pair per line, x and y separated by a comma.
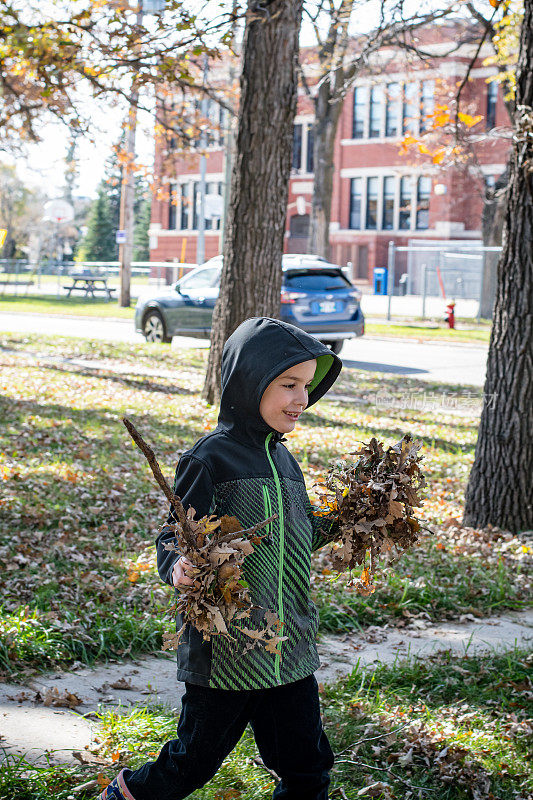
x,y
89,284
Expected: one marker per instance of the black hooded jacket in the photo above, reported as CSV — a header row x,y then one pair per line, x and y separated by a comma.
x,y
242,469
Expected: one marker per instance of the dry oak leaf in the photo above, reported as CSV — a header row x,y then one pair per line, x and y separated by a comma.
x,y
53,697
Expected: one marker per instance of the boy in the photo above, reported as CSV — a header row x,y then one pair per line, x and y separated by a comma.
x,y
271,371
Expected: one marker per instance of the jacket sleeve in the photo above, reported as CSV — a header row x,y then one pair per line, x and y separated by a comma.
x,y
193,484
325,528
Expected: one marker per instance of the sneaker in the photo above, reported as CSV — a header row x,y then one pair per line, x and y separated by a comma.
x,y
117,789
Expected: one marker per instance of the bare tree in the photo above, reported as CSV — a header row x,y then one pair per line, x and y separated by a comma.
x,y
251,276
341,60
499,487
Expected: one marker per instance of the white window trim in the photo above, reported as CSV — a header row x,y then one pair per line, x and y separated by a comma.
x,y
189,180
381,173
304,120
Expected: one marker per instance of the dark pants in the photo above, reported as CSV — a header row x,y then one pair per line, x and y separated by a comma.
x,y
288,732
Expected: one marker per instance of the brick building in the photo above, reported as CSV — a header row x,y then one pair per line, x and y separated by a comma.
x,y
379,194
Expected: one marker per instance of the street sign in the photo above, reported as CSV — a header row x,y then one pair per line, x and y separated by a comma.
x,y
120,237
3,234
214,205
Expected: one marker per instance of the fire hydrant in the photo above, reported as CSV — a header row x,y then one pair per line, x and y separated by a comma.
x,y
449,315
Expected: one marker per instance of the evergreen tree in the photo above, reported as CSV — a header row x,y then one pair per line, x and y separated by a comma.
x,y
141,240
99,242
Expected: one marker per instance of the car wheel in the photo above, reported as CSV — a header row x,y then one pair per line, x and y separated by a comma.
x,y
335,346
154,328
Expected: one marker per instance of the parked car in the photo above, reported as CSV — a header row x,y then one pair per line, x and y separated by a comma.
x,y
315,296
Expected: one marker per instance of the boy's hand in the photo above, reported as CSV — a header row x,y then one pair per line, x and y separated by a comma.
x,y
178,573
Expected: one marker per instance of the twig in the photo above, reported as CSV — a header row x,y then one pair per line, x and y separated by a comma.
x,y
387,769
373,738
261,763
82,787
338,790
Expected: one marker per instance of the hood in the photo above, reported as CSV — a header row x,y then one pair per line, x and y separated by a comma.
x,y
258,351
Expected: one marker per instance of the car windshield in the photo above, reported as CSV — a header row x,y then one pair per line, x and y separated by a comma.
x,y
314,281
203,279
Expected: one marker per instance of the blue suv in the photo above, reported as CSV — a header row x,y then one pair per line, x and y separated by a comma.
x,y
315,296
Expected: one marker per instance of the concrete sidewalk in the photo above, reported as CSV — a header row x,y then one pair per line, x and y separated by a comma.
x,y
28,726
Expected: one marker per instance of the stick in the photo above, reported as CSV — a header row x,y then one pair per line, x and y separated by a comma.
x,y
156,470
386,769
261,763
373,738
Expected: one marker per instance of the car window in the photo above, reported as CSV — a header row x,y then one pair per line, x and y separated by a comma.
x,y
315,280
203,279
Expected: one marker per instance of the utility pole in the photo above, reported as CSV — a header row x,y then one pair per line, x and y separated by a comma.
x,y
127,191
200,242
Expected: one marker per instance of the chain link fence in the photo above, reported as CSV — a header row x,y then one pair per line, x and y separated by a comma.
x,y
21,277
451,270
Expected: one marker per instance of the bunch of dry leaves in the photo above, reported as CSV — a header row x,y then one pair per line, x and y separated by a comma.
x,y
216,548
373,497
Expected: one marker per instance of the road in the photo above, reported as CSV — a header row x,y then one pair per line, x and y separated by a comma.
x,y
447,363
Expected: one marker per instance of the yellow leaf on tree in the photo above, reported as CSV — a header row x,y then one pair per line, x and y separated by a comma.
x,y
407,142
468,120
438,156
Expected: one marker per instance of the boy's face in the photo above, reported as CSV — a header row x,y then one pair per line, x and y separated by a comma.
x,y
286,397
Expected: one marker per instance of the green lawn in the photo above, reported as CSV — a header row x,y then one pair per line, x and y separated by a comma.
x,y
72,306
465,331
446,728
80,512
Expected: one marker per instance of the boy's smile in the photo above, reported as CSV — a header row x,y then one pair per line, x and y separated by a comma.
x,y
285,397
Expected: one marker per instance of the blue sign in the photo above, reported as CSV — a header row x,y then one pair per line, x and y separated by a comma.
x,y
120,237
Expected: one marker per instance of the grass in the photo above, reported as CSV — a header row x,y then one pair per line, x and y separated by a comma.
x,y
447,728
430,331
70,306
80,513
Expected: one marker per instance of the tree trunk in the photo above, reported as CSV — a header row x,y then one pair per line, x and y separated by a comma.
x,y
492,220
251,276
499,488
327,113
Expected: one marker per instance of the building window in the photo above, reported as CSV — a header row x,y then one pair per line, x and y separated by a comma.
x,y
172,209
427,104
389,191
376,111
392,110
297,147
404,222
409,110
492,99
372,204
356,185
423,192
310,144
359,109
184,206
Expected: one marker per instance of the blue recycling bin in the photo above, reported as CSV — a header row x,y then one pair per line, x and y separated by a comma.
x,y
380,280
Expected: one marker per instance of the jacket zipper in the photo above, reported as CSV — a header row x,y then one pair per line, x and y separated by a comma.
x,y
277,662
268,513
